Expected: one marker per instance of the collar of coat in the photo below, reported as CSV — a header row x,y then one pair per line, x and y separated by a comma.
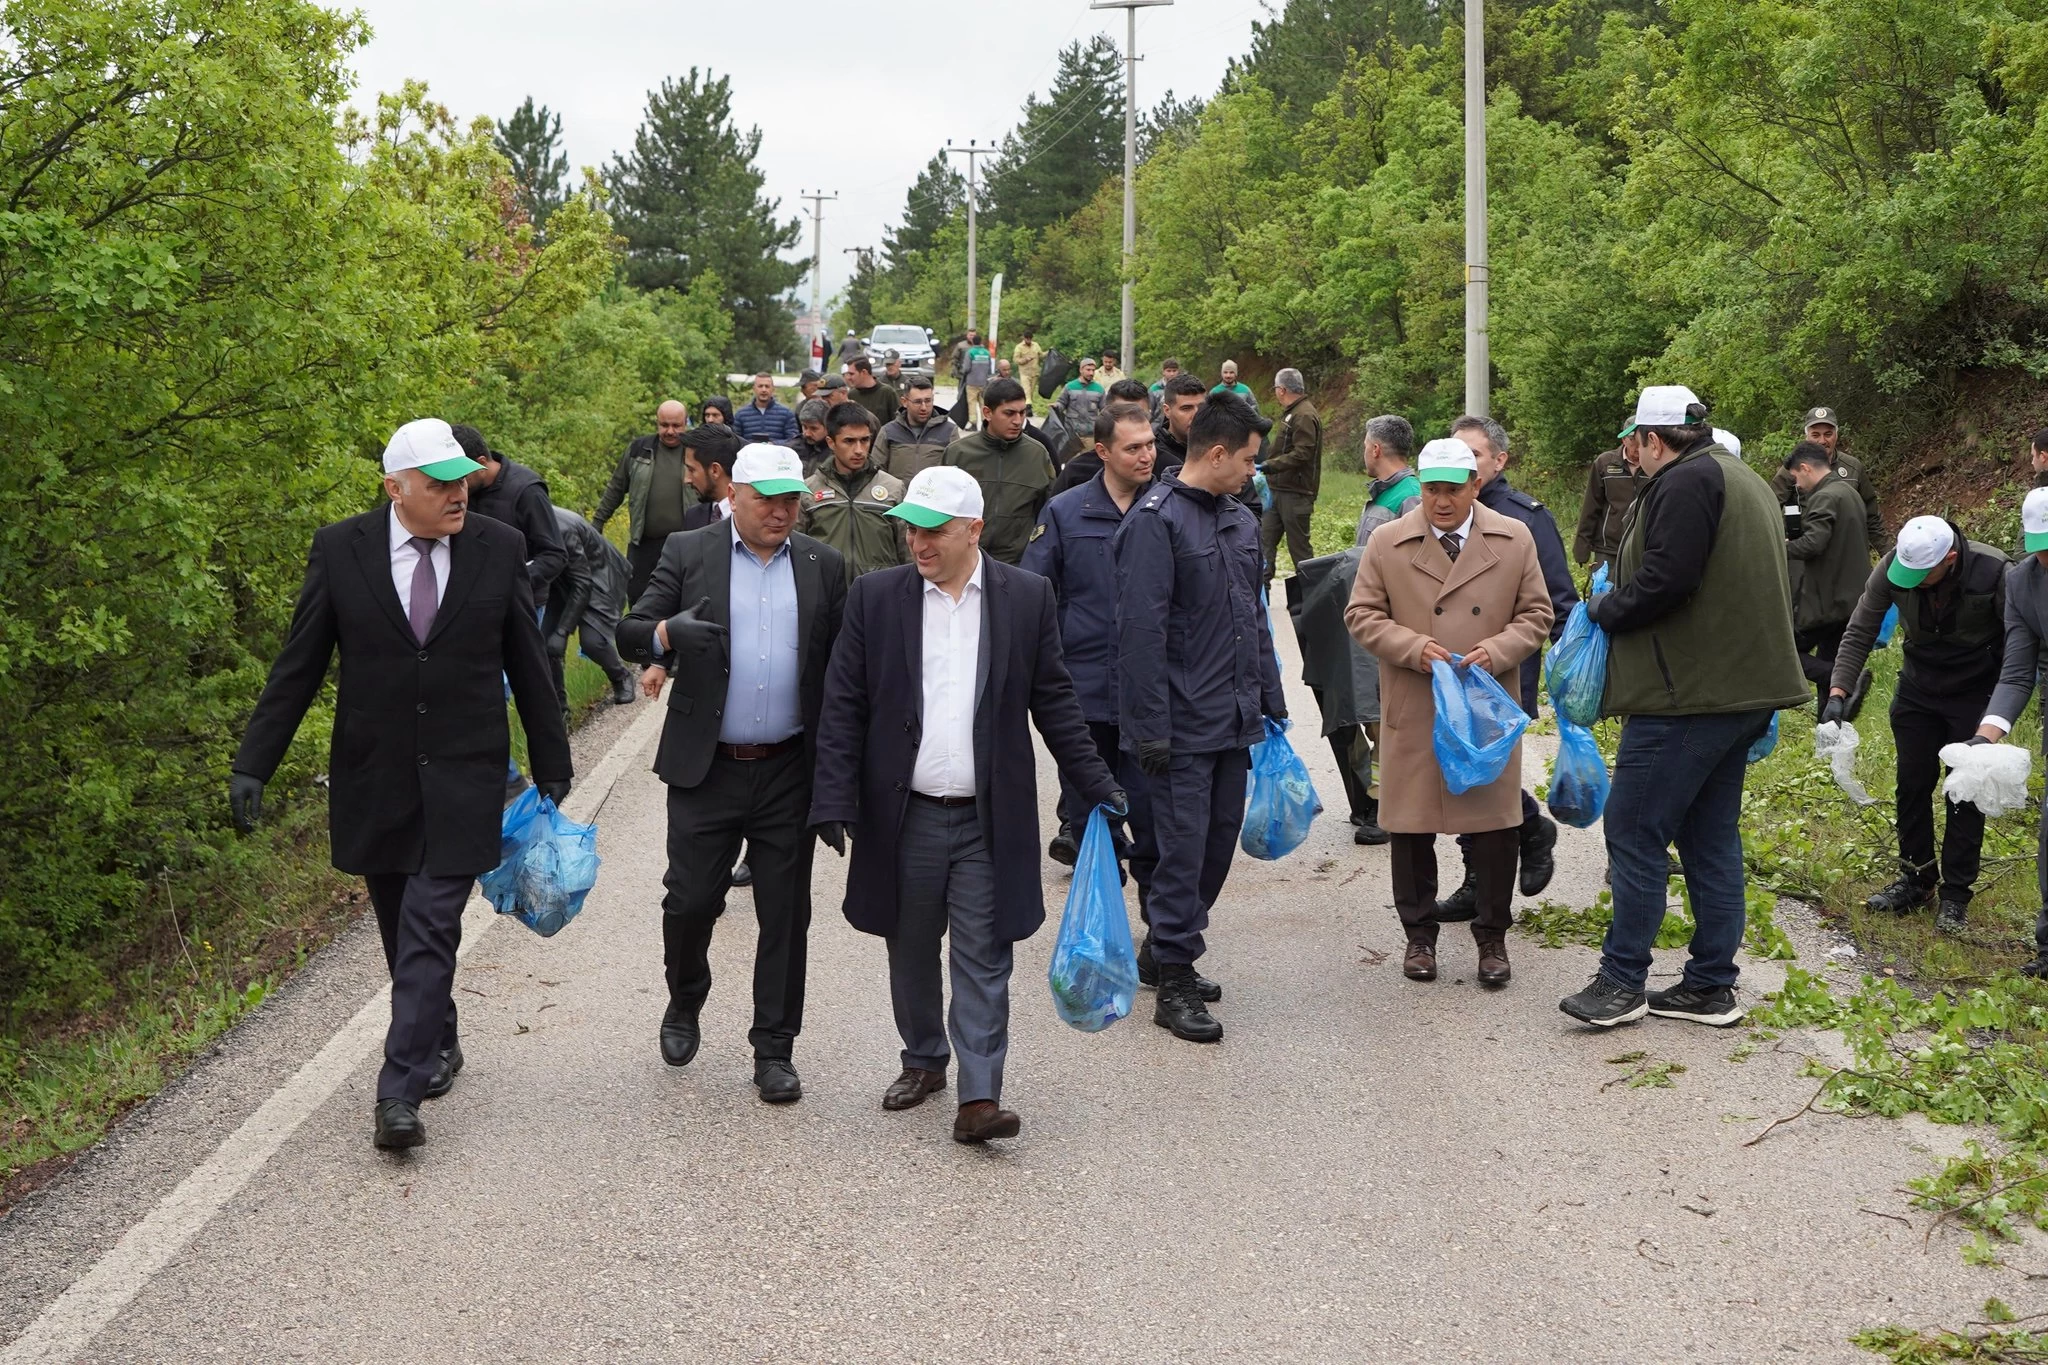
x,y
1482,550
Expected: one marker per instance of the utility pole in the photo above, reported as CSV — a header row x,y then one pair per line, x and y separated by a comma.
x,y
972,150
818,202
1478,362
1128,352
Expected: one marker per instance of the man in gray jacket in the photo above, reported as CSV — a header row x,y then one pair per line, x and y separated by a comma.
x,y
2026,625
918,436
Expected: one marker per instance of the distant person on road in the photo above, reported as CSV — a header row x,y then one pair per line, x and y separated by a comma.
x,y
764,419
1026,356
1229,384
1109,371
881,401
739,744
1456,582
1294,474
893,373
1197,681
1080,400
849,499
2026,626
973,368
1700,653
810,444
426,606
849,347
1830,559
916,440
1822,426
1015,471
649,480
1168,368
587,600
1611,485
806,387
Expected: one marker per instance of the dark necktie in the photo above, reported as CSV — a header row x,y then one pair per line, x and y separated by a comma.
x,y
1452,544
421,609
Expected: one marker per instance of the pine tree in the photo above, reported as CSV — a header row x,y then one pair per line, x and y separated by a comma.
x,y
939,194
531,140
1065,145
688,199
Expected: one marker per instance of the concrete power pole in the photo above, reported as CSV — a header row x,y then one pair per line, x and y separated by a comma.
x,y
1478,361
970,151
1128,344
818,202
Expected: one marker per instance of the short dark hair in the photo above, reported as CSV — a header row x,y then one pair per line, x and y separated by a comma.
x,y
844,415
1226,420
2041,439
865,364
916,380
1128,391
1184,385
1682,437
1169,364
1000,392
473,443
713,445
1808,452
1114,415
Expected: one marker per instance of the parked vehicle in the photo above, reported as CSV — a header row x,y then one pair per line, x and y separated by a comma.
x,y
913,344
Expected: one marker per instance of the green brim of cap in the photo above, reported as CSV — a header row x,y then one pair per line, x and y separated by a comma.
x,y
919,516
775,488
1625,432
2037,540
1905,577
449,470
1444,475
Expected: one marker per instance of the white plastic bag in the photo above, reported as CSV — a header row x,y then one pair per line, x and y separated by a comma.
x,y
1835,742
1991,777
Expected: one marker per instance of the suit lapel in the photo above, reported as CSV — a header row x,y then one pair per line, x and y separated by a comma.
x,y
373,556
1474,559
810,586
913,638
1430,557
718,551
995,635
465,566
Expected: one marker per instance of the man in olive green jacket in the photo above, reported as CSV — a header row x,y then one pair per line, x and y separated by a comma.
x,y
1611,486
1823,427
1015,472
917,437
649,480
1294,474
849,500
1830,559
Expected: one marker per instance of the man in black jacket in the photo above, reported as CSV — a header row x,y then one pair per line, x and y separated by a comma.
x,y
427,606
739,744
505,490
587,600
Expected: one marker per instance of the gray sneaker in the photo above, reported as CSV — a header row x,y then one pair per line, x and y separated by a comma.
x,y
1714,1006
1604,1004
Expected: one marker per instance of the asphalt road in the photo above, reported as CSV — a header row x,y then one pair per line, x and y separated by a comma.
x,y
1364,1169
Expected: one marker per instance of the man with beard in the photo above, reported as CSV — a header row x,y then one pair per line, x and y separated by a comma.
x,y
918,438
810,444
881,401
649,480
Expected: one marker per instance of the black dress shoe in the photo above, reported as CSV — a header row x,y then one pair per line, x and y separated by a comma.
x,y
1148,975
910,1089
1366,826
776,1080
622,690
1064,848
398,1126
983,1121
1539,854
679,1037
743,875
444,1074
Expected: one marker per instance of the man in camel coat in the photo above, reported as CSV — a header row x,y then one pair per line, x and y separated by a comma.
x,y
1450,578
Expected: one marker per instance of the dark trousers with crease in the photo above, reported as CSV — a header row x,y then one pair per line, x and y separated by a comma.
x,y
766,802
420,920
1492,857
946,890
1186,820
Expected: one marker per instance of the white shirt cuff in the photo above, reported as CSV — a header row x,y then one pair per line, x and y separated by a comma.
x,y
2001,722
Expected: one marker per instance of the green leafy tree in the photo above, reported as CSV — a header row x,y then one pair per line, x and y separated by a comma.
x,y
531,140
688,199
1065,145
939,195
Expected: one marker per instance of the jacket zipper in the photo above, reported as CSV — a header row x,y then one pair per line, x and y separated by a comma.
x,y
1657,648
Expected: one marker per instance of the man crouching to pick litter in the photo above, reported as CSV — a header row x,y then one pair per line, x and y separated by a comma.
x,y
1456,581
1700,655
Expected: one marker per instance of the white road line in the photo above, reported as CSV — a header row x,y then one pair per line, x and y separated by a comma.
x,y
81,1312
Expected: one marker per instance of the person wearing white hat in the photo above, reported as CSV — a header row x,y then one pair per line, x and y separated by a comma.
x,y
1700,654
426,605
2026,626
1950,592
743,613
925,761
1454,581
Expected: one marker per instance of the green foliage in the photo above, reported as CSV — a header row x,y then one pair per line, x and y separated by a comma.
x,y
1064,145
531,142
1913,1346
939,193
1645,1072
1556,925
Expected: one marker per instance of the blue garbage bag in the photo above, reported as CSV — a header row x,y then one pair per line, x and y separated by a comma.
x,y
1888,625
1094,971
547,864
1768,740
1578,780
1283,801
1577,669
1477,725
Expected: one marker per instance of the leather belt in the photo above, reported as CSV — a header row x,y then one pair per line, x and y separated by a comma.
x,y
748,753
949,802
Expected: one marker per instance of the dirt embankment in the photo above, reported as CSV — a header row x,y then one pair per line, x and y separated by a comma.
x,y
1968,461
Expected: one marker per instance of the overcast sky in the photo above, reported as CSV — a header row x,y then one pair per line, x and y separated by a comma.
x,y
849,98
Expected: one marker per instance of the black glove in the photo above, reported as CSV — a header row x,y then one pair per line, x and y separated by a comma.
x,y
558,645
1155,756
1594,605
245,801
557,792
832,834
1837,708
1118,805
689,630
1278,717
1977,739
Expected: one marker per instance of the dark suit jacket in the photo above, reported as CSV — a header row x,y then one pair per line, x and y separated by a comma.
x,y
701,514
416,768
873,723
695,565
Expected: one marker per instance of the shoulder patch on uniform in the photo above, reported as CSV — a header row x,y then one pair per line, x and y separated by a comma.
x,y
882,495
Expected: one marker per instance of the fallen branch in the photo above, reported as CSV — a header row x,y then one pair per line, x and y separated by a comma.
x,y
1800,1112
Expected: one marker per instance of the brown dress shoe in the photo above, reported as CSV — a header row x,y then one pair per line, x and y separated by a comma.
x,y
1493,962
981,1120
909,1090
1420,963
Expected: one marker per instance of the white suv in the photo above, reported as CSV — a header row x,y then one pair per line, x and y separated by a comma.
x,y
913,344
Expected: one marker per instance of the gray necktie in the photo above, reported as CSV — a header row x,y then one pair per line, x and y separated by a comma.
x,y
1452,543
421,609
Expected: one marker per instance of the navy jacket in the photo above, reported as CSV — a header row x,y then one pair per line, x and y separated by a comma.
x,y
1512,502
773,424
1195,650
1071,547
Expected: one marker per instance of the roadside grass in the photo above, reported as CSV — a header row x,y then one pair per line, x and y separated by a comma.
x,y
225,938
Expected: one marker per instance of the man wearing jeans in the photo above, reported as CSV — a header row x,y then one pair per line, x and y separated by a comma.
x,y
1701,654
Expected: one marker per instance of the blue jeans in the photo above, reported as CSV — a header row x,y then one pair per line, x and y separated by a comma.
x,y
1678,779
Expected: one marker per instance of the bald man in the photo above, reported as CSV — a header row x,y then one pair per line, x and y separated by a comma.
x,y
650,481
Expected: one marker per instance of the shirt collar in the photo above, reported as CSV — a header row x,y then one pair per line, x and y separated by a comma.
x,y
399,535
1464,533
739,547
973,583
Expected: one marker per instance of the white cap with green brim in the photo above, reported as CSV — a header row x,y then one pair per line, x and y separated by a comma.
x,y
769,470
1662,405
1446,460
2034,519
1923,543
428,445
937,495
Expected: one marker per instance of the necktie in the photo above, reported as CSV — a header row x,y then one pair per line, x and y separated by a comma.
x,y
1452,543
421,609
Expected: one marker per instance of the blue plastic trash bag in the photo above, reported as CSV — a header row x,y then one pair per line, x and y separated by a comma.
x,y
1578,780
1283,801
1477,725
547,864
1094,972
1577,668
1888,625
1768,741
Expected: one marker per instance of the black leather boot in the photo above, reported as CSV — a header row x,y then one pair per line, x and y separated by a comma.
x,y
1180,1009
1148,974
